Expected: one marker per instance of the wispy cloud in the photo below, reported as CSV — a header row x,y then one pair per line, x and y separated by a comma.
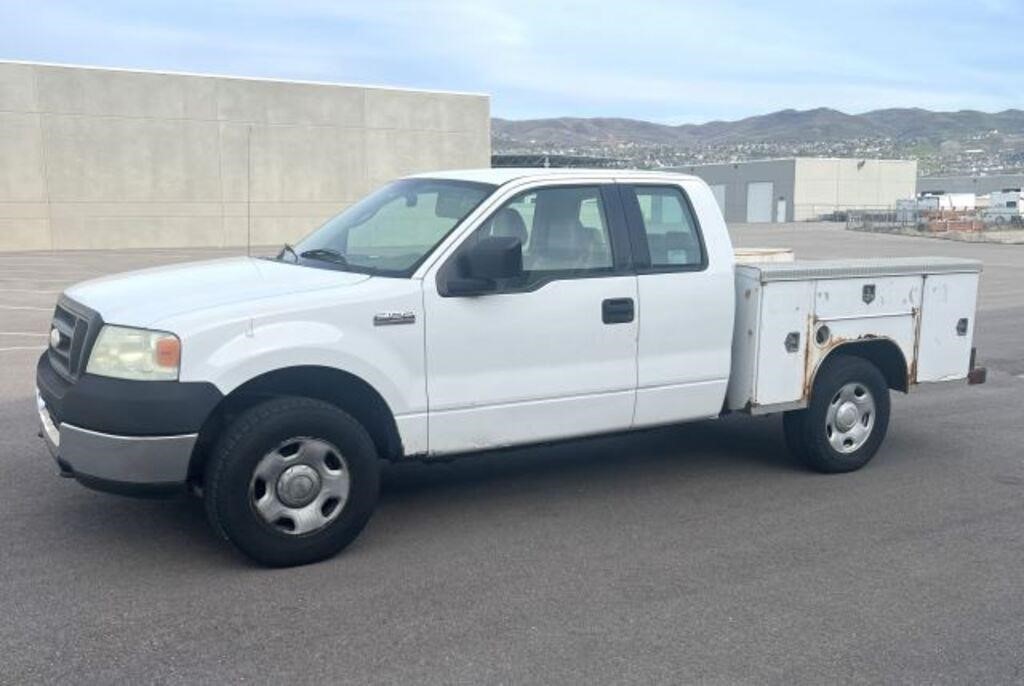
x,y
667,60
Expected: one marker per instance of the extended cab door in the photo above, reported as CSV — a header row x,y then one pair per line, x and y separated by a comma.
x,y
684,262
550,354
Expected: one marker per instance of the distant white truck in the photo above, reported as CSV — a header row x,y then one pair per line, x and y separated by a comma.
x,y
929,202
1005,207
457,312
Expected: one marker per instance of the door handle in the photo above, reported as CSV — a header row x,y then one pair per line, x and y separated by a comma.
x,y
617,311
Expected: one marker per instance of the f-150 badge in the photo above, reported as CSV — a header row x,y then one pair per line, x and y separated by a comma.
x,y
392,318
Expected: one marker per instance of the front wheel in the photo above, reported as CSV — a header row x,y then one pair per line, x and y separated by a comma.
x,y
292,481
846,421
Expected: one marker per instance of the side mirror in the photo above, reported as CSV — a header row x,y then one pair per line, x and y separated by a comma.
x,y
484,264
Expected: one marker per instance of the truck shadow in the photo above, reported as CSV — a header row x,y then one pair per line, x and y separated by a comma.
x,y
85,527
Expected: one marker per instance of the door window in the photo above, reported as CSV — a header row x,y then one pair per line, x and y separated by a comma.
x,y
673,238
564,232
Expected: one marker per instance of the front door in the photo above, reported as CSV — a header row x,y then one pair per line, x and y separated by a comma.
x,y
550,354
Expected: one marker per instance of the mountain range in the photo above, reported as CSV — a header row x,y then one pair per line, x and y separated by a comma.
x,y
785,126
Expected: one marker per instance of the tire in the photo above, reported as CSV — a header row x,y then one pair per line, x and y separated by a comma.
x,y
298,461
846,421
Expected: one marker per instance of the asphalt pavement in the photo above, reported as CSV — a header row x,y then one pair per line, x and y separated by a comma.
x,y
696,553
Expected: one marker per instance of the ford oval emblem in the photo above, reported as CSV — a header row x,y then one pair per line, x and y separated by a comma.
x,y
54,338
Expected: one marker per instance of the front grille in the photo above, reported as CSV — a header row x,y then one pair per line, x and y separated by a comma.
x,y
78,326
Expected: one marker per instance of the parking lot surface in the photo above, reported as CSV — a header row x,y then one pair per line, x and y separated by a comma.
x,y
696,553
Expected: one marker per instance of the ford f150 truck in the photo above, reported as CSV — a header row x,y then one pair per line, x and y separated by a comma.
x,y
458,312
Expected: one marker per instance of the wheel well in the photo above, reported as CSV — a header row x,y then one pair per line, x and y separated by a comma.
x,y
342,389
884,354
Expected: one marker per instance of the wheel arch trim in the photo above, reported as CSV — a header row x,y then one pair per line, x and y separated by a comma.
x,y
881,351
343,389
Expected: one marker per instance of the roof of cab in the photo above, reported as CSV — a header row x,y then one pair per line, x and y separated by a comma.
x,y
502,175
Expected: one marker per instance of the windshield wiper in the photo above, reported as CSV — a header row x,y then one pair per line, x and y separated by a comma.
x,y
288,249
326,255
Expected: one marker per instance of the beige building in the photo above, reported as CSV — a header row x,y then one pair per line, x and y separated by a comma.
x,y
106,158
802,188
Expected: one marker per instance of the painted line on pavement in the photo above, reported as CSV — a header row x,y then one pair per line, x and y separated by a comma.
x,y
33,291
60,281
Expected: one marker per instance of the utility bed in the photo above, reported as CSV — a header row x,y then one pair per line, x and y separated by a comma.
x,y
789,316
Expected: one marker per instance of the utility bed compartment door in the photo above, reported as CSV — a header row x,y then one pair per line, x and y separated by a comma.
x,y
944,345
888,296
786,308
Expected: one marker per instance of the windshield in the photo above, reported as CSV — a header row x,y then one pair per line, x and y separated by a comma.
x,y
392,230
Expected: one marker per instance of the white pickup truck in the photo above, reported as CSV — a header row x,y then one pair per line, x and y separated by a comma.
x,y
464,311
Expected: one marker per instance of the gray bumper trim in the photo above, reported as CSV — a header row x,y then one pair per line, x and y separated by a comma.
x,y
143,460
128,459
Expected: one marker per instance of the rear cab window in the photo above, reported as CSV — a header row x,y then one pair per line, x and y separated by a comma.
x,y
666,232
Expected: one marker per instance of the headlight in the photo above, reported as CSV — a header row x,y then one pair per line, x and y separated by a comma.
x,y
138,354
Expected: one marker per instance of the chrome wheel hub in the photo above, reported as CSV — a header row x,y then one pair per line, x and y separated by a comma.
x,y
850,417
846,416
300,486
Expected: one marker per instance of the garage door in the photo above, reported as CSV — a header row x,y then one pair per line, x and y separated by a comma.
x,y
719,192
759,201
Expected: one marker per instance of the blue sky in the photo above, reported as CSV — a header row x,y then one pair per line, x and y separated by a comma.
x,y
668,61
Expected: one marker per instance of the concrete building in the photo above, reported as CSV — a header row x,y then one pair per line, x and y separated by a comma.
x,y
803,188
979,185
105,158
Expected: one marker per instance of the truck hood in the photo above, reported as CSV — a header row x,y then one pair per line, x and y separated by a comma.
x,y
143,297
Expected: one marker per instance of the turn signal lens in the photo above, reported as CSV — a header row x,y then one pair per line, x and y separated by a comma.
x,y
168,352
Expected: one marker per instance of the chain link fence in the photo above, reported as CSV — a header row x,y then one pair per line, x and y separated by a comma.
x,y
926,220
912,218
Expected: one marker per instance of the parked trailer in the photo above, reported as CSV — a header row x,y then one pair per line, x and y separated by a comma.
x,y
1005,207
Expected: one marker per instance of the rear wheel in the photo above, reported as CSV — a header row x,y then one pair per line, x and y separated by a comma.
x,y
292,481
846,421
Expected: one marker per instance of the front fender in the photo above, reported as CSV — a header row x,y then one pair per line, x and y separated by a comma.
x,y
324,332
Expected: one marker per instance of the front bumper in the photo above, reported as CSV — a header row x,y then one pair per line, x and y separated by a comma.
x,y
128,465
118,435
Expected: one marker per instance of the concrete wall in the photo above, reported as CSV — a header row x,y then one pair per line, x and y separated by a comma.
x,y
737,176
100,158
827,185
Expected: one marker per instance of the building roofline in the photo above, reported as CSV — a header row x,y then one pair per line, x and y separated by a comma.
x,y
788,159
168,72
986,175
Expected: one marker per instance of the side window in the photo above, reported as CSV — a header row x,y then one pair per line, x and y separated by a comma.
x,y
671,229
563,230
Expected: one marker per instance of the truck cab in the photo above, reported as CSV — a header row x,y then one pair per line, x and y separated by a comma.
x,y
445,314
